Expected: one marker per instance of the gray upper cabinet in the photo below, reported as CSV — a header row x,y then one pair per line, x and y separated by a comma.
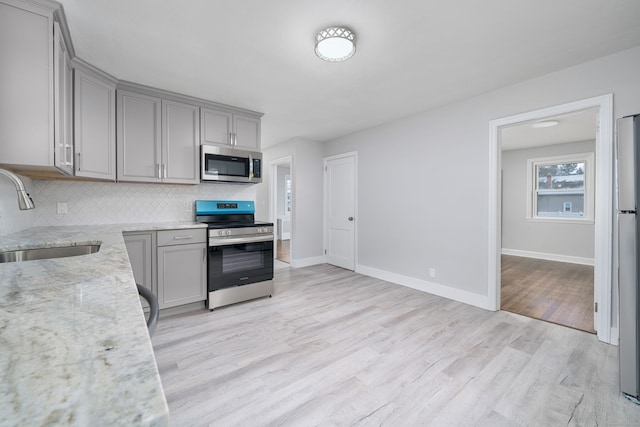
x,y
157,139
94,123
180,142
246,132
138,137
63,90
216,126
230,129
61,115
27,102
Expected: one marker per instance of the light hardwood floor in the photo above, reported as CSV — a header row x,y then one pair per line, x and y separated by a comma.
x,y
335,348
557,292
283,250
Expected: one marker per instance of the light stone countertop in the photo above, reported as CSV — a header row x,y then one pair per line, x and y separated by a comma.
x,y
74,346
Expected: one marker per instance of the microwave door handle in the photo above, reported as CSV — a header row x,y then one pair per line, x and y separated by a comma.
x,y
250,166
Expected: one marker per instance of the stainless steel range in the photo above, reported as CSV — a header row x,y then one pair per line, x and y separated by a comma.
x,y
240,261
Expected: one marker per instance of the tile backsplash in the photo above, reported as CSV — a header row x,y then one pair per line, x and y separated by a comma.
x,y
113,203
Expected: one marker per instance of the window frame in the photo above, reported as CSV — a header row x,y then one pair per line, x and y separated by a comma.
x,y
287,195
589,187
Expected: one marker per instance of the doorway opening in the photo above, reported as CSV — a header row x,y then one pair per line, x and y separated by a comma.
x,y
603,202
282,207
548,238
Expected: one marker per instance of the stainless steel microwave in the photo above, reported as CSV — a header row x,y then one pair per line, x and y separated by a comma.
x,y
230,165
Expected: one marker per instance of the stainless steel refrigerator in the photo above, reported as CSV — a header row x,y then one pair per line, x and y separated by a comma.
x,y
628,149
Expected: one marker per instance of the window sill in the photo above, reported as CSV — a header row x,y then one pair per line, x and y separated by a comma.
x,y
560,220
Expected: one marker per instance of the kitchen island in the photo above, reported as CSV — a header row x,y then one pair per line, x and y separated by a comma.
x,y
74,347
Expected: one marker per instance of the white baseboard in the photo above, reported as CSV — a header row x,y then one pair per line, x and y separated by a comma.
x,y
306,262
549,257
477,300
614,338
181,309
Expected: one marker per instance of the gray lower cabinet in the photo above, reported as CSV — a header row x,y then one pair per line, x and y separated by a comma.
x,y
141,250
94,123
182,266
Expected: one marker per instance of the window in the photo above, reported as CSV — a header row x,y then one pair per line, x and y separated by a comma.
x,y
287,194
561,188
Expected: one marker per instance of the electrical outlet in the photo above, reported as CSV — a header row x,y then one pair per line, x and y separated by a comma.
x,y
62,208
188,206
432,272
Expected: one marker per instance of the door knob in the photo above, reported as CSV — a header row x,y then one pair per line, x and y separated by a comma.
x,y
350,218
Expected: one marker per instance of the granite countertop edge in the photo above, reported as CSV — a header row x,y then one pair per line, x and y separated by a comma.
x,y
75,349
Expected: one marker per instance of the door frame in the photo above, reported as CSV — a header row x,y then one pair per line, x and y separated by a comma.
x,y
603,279
273,199
325,216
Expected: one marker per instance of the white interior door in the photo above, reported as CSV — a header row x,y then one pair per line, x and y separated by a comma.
x,y
340,210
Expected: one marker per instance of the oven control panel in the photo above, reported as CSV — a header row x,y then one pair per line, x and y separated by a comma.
x,y
244,231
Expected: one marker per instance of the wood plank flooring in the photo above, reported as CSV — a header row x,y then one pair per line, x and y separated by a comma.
x,y
557,292
283,250
335,348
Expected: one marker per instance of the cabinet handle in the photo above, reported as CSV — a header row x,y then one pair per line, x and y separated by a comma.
x,y
159,174
182,237
164,171
78,162
204,255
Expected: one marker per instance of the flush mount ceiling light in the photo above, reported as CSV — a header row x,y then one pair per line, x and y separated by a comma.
x,y
545,124
335,44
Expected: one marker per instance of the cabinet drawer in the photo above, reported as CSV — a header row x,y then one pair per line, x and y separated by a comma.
x,y
182,237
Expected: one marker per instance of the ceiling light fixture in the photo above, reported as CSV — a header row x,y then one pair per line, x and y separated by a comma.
x,y
335,44
545,124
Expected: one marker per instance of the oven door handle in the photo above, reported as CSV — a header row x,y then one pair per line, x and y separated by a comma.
x,y
224,241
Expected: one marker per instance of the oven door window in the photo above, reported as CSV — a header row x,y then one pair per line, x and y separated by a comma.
x,y
226,165
242,257
234,265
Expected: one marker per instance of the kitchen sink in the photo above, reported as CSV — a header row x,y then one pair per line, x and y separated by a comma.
x,y
48,253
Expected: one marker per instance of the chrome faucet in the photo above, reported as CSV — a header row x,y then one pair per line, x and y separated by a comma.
x,y
24,200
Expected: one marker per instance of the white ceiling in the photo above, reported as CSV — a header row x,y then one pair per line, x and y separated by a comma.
x,y
574,127
412,55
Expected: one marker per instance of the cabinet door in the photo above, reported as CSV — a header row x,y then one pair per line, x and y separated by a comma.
x,y
138,137
246,132
180,143
182,274
63,108
216,126
26,100
140,251
95,126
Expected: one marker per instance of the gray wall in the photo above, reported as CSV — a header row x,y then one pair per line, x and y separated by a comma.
x,y
518,233
431,170
307,197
